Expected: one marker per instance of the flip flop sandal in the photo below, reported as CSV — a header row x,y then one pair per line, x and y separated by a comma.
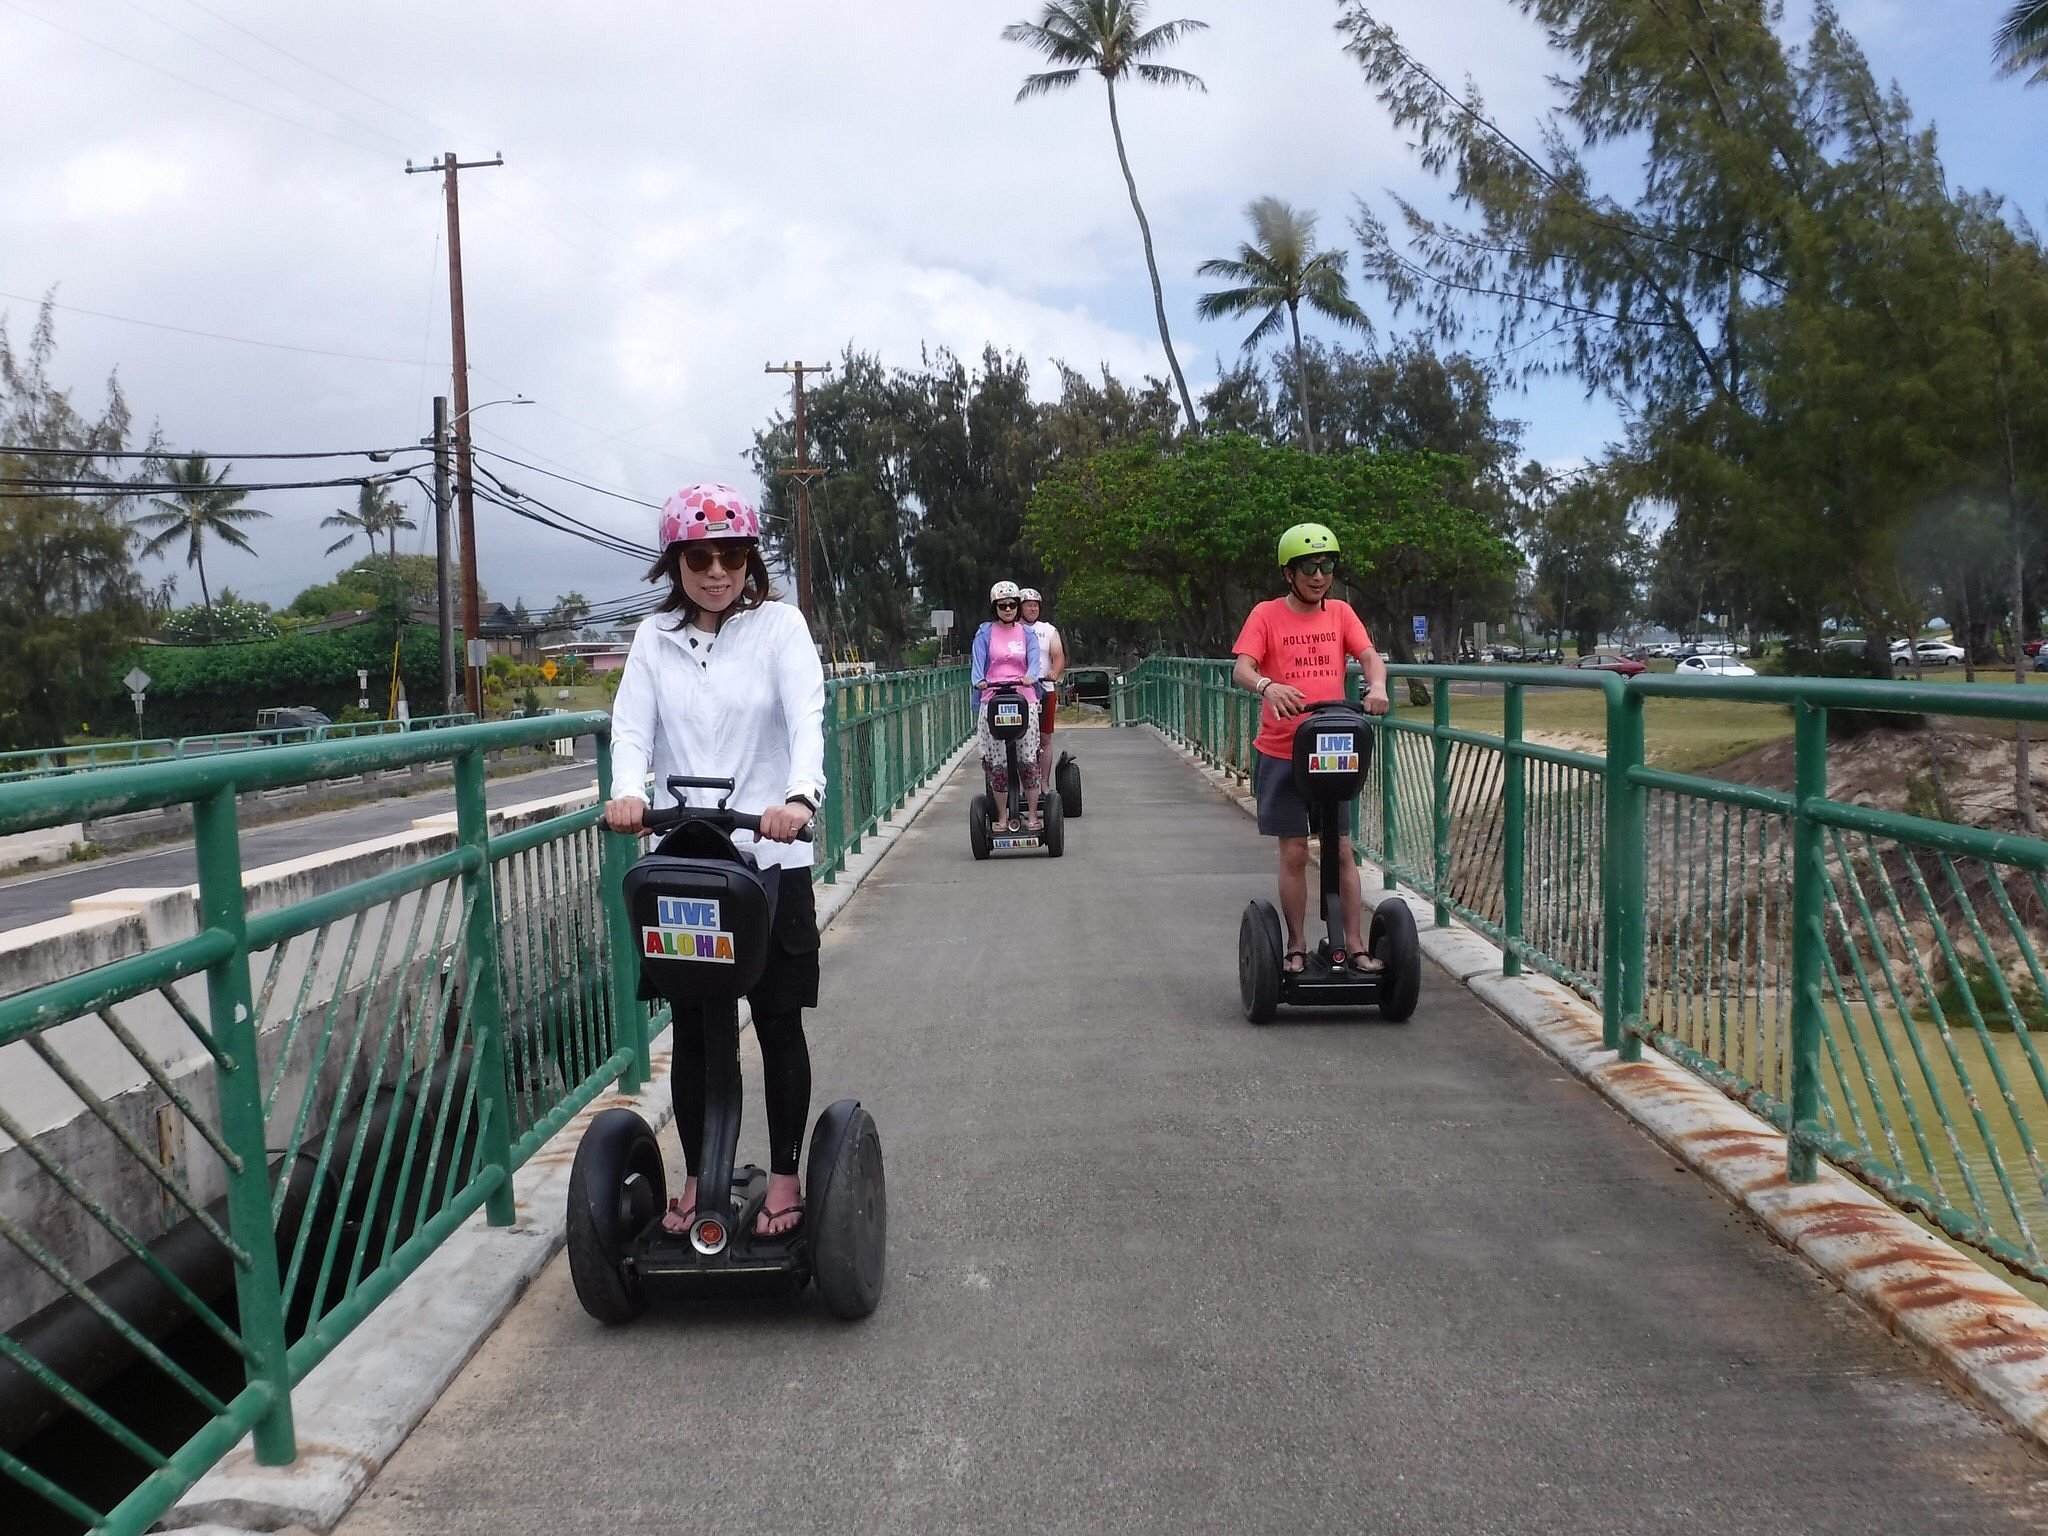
x,y
796,1210
1294,970
1364,964
677,1212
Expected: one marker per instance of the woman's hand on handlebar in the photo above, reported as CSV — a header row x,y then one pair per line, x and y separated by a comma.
x,y
628,814
782,823
1287,702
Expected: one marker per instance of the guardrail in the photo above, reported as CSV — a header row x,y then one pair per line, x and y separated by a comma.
x,y
307,1101
382,1057
886,734
48,762
1870,982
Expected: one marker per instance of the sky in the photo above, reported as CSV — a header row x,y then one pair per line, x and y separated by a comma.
x,y
690,193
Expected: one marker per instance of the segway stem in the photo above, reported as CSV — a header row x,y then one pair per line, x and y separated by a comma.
x,y
721,1109
1332,851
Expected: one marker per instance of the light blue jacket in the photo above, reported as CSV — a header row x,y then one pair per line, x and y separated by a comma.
x,y
1033,662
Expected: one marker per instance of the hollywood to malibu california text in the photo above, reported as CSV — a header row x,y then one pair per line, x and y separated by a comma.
x,y
688,931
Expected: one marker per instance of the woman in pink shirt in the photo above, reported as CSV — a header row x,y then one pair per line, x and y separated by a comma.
x,y
1006,651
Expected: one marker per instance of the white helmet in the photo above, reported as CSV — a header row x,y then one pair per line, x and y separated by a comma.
x,y
1030,595
1002,590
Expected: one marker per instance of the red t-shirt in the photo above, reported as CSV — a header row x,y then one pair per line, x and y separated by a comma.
x,y
1302,650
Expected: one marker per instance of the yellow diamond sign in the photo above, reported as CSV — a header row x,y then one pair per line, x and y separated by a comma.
x,y
547,670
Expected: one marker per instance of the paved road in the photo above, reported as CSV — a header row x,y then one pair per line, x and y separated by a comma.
x,y
1152,1269
38,897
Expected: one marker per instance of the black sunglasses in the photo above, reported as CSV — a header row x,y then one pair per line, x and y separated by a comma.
x,y
1006,602
1317,565
698,557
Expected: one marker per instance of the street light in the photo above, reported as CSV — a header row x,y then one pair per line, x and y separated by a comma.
x,y
445,596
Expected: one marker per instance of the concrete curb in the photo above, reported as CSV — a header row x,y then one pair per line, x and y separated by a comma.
x,y
1980,1332
357,1407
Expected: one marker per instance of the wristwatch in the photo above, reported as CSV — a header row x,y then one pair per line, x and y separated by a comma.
x,y
804,801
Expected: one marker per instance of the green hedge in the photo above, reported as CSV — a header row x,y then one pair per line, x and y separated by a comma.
x,y
199,689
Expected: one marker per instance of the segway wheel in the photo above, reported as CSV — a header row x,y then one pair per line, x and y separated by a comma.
x,y
847,1210
1052,806
616,1187
1258,961
979,838
1395,944
1066,778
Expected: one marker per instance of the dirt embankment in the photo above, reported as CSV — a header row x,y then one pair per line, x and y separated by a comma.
x,y
1945,773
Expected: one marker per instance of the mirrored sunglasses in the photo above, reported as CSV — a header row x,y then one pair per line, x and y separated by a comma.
x,y
733,557
1317,565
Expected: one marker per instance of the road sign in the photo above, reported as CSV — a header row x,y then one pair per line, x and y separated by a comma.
x,y
942,620
1421,628
137,681
548,670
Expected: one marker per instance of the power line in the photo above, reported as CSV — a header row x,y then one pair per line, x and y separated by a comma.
x,y
182,330
201,453
183,80
601,490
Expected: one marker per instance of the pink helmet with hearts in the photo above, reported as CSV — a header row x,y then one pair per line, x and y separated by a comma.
x,y
707,511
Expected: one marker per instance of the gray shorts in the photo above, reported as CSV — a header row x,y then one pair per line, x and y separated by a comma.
x,y
1282,811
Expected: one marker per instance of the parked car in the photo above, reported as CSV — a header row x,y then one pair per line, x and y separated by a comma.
x,y
1714,666
1939,653
290,717
1607,661
1549,658
2033,647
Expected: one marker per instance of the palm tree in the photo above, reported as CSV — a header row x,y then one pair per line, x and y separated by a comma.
x,y
2021,43
1278,271
201,505
1110,38
375,513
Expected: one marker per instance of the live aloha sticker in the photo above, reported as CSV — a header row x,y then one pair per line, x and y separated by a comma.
x,y
687,930
1014,842
1336,752
1009,714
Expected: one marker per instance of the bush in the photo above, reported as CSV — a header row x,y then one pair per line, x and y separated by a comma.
x,y
203,688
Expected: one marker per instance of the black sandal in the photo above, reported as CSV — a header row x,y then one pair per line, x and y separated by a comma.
x,y
1364,964
796,1210
1294,970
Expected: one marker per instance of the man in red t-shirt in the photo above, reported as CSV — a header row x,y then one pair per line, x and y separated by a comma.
x,y
1291,653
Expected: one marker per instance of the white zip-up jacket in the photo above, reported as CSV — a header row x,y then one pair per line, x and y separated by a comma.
x,y
750,708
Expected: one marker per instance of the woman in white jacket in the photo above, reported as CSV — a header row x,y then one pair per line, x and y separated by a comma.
x,y
723,682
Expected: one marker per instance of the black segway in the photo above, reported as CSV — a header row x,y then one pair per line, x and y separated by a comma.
x,y
701,915
1332,755
1007,723
1066,778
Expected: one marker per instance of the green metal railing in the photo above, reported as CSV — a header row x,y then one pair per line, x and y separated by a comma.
x,y
886,734
339,1084
1870,982
319,1095
48,762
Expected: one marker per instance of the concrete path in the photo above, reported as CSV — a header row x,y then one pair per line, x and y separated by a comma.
x,y
36,898
1152,1269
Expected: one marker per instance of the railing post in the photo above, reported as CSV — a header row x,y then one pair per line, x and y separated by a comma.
x,y
1390,756
259,1298
622,973
1514,858
1809,936
835,787
1622,879
486,1003
1440,833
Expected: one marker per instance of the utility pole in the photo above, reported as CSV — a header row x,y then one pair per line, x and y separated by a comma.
x,y
803,472
444,578
451,169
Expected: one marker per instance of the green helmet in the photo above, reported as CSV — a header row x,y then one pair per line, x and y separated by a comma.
x,y
1306,539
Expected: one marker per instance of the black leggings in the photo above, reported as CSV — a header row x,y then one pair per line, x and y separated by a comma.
x,y
786,1068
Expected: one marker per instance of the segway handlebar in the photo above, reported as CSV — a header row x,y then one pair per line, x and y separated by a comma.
x,y
719,816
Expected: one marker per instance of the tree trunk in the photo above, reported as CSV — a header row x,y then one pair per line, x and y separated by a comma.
x,y
205,597
1151,264
2022,621
1308,432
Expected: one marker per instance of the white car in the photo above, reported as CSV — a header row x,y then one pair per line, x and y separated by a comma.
x,y
1714,666
1938,653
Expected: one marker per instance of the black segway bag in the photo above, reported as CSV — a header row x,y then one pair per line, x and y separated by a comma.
x,y
1008,716
701,915
1332,755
